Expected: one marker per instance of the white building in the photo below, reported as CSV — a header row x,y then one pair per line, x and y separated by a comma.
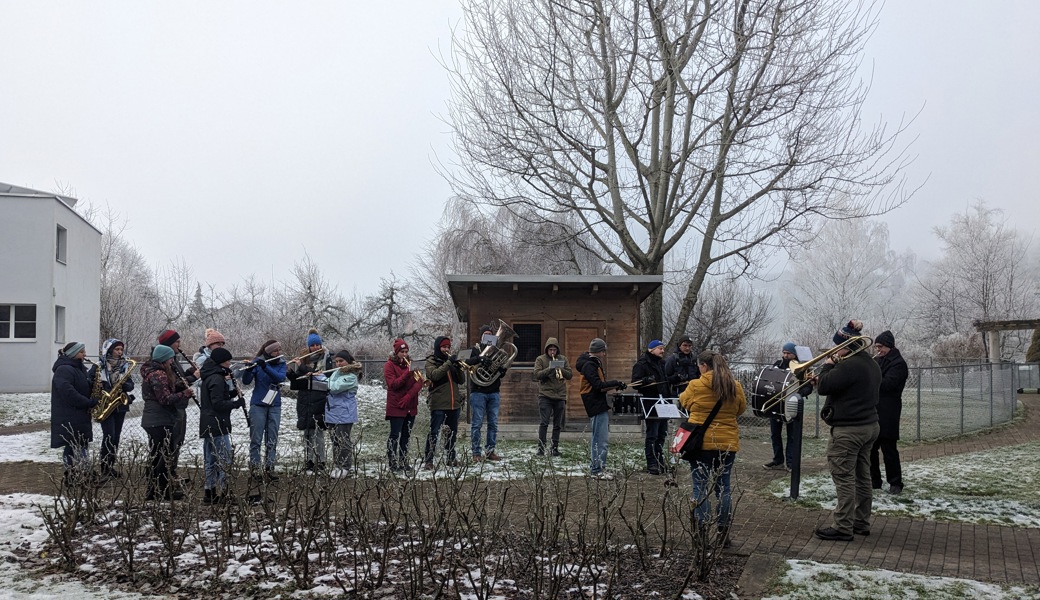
x,y
50,285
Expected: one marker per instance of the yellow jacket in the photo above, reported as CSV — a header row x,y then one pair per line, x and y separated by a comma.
x,y
698,399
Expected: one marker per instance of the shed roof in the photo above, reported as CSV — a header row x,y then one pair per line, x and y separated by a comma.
x,y
460,285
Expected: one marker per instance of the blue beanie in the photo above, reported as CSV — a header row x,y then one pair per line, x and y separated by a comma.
x,y
162,353
654,344
789,347
72,349
313,339
850,330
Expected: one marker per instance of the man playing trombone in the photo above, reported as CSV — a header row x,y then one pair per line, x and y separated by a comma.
x,y
850,380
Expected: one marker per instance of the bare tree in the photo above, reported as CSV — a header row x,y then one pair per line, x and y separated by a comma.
x,y
172,291
127,302
726,127
729,313
985,273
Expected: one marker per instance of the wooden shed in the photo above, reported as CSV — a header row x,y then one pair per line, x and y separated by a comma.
x,y
572,309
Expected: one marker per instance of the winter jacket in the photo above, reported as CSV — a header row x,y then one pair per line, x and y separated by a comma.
x,y
680,369
593,385
342,398
651,368
70,403
216,401
550,385
402,389
162,405
699,400
111,372
266,375
312,392
851,387
894,374
445,377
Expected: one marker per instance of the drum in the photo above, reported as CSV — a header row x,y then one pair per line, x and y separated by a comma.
x,y
770,382
626,403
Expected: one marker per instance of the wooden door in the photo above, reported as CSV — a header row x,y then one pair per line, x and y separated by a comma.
x,y
576,338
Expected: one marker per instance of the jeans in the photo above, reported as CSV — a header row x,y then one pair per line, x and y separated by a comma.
x,y
437,419
554,411
263,427
848,455
111,432
342,446
216,453
484,404
656,432
598,448
397,442
711,474
776,430
314,446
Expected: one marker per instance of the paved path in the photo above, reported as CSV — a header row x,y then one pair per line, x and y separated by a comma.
x,y
769,530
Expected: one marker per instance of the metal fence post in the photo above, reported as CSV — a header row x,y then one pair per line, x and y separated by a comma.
x,y
962,397
991,395
919,383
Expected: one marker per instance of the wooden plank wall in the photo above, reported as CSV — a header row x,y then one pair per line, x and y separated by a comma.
x,y
613,313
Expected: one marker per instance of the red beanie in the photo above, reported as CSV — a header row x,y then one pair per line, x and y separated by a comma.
x,y
169,337
399,345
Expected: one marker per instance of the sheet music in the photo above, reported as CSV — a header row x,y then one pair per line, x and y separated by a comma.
x,y
667,410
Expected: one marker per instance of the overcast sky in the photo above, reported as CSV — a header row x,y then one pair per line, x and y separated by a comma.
x,y
239,135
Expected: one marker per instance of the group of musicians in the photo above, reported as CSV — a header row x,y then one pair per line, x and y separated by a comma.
x,y
326,386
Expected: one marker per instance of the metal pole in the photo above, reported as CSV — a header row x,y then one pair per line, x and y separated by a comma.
x,y
962,398
991,395
919,404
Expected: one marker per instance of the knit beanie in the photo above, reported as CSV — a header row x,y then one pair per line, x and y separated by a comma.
x,y
885,338
850,330
162,353
271,348
345,355
220,355
399,345
313,339
169,337
72,349
789,347
597,345
212,337
654,344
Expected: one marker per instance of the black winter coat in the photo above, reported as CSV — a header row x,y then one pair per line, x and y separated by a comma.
x,y
70,404
593,385
651,368
851,387
215,401
311,394
894,374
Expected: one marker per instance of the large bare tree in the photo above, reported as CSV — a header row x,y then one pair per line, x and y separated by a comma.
x,y
721,128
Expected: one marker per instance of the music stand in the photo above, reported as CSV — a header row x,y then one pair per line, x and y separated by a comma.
x,y
661,408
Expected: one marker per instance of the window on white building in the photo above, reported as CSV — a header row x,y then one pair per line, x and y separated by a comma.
x,y
61,244
17,321
59,324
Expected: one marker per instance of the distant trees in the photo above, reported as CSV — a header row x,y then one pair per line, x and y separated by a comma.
x,y
722,130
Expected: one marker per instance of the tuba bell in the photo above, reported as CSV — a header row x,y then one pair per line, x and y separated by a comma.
x,y
501,355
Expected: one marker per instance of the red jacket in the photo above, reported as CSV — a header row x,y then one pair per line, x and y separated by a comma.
x,y
402,389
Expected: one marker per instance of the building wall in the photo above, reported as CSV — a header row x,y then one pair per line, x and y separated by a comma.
x,y
32,275
574,320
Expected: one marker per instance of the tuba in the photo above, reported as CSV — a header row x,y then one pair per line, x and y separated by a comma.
x,y
501,356
111,400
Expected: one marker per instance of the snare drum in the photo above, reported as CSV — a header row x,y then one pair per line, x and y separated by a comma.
x,y
770,382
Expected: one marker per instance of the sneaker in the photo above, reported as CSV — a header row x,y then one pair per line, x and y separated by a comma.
x,y
555,452
339,473
832,534
309,467
604,476
494,456
773,465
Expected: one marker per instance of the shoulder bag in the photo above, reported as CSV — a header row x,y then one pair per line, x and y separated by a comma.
x,y
689,437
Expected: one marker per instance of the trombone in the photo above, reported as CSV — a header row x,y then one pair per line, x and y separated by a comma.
x,y
805,370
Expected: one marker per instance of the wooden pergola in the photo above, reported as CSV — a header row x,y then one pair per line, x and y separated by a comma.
x,y
993,328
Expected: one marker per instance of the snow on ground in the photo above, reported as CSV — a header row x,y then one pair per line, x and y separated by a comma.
x,y
973,488
808,580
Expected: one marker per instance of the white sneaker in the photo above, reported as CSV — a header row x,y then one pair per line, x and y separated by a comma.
x,y
339,473
604,476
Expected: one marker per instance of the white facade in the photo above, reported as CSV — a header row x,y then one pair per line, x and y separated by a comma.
x,y
50,285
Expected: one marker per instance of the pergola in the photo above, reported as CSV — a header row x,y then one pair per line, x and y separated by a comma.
x,y
992,328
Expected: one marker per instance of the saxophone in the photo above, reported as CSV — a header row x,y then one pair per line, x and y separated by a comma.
x,y
111,400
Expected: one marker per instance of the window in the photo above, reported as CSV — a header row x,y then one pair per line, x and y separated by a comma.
x,y
528,342
17,321
59,324
61,244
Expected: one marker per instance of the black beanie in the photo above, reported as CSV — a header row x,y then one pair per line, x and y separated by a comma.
x,y
220,355
885,338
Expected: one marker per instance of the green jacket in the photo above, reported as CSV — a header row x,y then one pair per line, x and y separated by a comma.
x,y
552,384
446,379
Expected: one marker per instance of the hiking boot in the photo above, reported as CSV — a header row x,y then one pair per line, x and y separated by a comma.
x,y
429,466
494,456
653,470
270,475
555,451
832,534
772,465
209,496
864,531
895,490
477,458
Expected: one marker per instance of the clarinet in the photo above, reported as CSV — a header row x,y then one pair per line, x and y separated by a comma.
x,y
240,396
184,378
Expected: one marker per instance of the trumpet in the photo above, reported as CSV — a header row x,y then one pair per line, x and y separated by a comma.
x,y
417,375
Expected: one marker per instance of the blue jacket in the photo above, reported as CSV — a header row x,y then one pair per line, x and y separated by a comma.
x,y
341,406
70,404
266,374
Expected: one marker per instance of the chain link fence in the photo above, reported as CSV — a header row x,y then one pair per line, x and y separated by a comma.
x,y
938,402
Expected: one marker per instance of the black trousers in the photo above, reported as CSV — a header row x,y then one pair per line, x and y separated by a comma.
x,y
550,411
160,451
893,470
111,432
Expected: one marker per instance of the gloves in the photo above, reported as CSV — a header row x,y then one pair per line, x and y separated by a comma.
x,y
485,362
473,360
240,403
614,383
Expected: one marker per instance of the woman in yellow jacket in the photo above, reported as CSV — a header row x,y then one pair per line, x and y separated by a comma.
x,y
713,466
